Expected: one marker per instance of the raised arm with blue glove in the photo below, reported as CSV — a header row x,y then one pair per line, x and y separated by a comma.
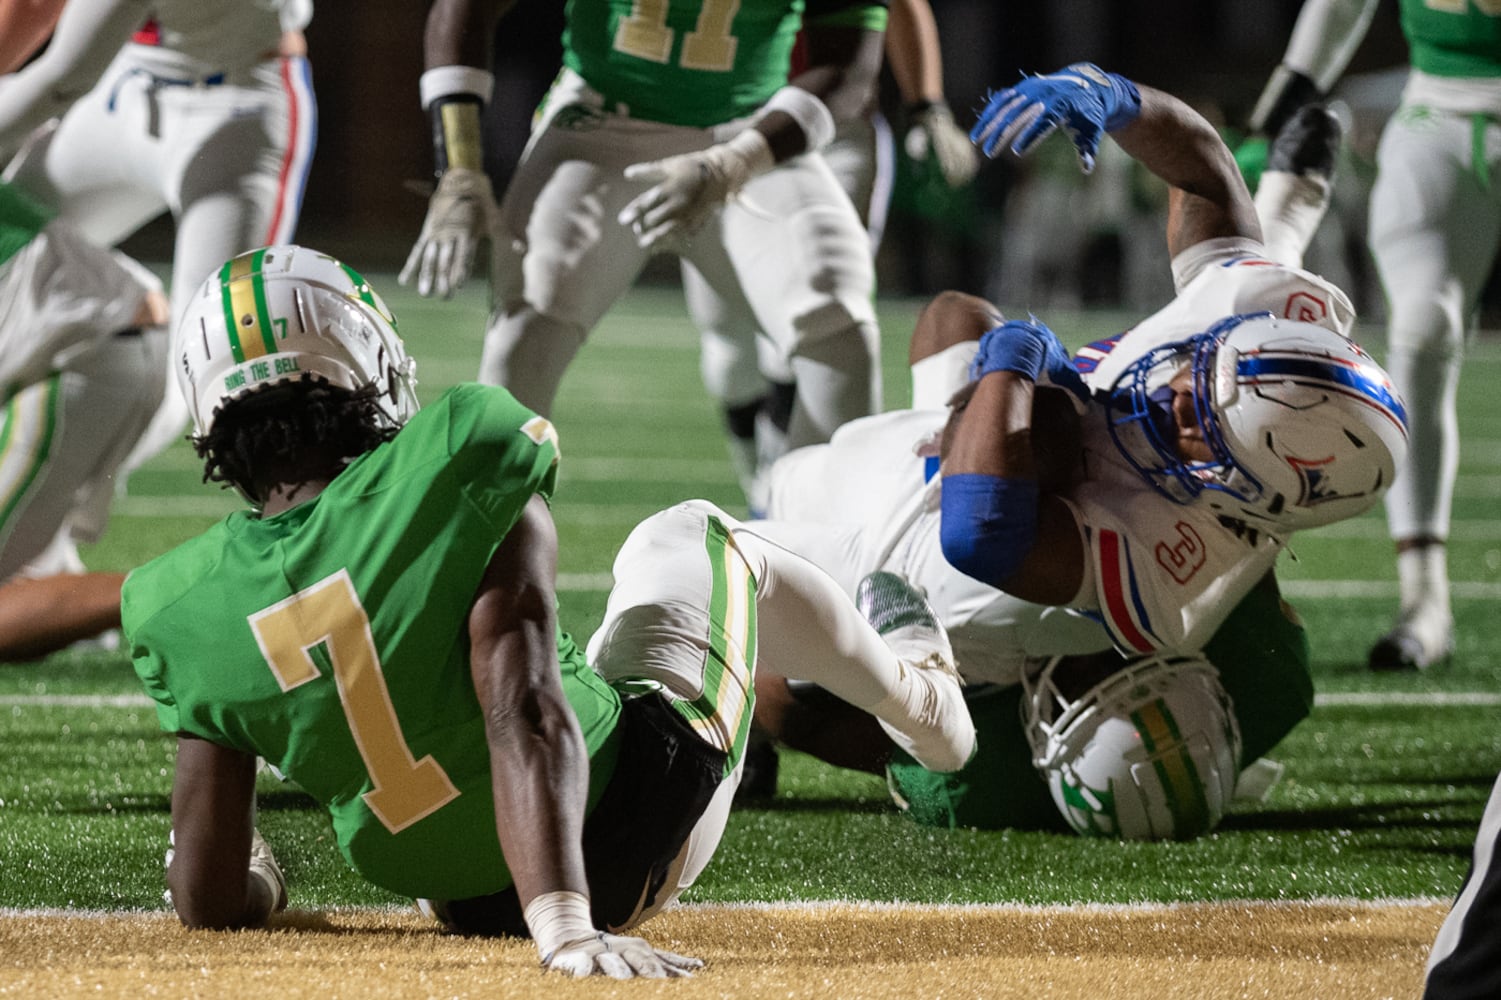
x,y
1082,99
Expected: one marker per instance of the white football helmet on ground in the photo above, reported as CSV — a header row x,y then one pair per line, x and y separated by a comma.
x,y
1305,428
283,314
1149,752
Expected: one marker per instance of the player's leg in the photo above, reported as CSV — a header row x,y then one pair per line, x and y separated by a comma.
x,y
65,436
700,598
797,249
562,259
1294,191
1434,227
730,367
1464,962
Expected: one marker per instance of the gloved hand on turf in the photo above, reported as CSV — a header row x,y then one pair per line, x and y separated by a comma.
x,y
686,188
619,958
1082,99
933,130
1030,349
460,214
263,867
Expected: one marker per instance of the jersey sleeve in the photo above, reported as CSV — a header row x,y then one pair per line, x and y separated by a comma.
x,y
867,14
501,452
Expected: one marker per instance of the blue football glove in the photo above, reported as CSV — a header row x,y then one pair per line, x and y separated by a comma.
x,y
1082,99
1030,349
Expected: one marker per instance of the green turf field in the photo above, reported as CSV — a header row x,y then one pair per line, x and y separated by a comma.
x,y
1383,789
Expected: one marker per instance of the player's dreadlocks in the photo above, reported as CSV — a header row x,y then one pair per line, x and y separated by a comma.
x,y
291,433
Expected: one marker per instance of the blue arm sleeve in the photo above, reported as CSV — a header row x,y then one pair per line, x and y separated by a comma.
x,y
989,524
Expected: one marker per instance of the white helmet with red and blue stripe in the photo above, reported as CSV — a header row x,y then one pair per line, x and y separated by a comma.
x,y
1304,428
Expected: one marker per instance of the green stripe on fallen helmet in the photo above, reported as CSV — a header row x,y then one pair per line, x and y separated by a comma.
x,y
226,301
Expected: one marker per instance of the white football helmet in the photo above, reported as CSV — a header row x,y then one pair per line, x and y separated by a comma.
x,y
1151,752
282,314
1306,429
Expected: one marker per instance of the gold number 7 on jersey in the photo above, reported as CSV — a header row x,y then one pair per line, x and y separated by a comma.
x,y
329,613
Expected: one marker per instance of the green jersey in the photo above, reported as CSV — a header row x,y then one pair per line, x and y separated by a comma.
x,y
331,639
20,221
1454,37
696,62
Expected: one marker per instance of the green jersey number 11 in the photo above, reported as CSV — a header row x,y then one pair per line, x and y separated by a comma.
x,y
709,46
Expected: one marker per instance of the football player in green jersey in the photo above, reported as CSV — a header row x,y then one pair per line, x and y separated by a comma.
x,y
673,127
1435,226
382,628
82,350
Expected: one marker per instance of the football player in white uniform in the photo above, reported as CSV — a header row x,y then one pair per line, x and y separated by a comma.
x,y
1435,227
742,196
203,109
82,370
742,370
1150,489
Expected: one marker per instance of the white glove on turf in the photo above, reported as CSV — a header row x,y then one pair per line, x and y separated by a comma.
x,y
459,215
619,958
688,187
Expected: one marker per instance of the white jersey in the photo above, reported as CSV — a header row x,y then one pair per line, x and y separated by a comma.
x,y
1161,575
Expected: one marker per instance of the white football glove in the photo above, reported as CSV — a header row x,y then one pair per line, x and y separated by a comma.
x,y
264,867
933,130
688,187
460,214
619,958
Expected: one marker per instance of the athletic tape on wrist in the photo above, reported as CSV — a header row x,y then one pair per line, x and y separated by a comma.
x,y
557,918
452,81
456,133
811,114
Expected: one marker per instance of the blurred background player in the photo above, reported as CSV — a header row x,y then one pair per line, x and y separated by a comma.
x,y
508,783
742,370
1071,507
1435,223
733,186
83,366
201,109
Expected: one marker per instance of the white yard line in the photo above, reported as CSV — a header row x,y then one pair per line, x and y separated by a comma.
x,y
1360,699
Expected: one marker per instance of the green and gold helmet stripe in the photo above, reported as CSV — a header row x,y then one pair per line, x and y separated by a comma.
x,y
1175,767
246,316
364,293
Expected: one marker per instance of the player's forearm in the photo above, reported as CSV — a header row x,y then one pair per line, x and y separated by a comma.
x,y
88,35
540,773
460,32
913,52
1208,197
843,67
24,26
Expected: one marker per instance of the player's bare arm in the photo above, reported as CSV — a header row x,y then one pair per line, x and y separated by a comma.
x,y
538,761
1207,197
209,869
459,32
990,435
24,26
843,67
